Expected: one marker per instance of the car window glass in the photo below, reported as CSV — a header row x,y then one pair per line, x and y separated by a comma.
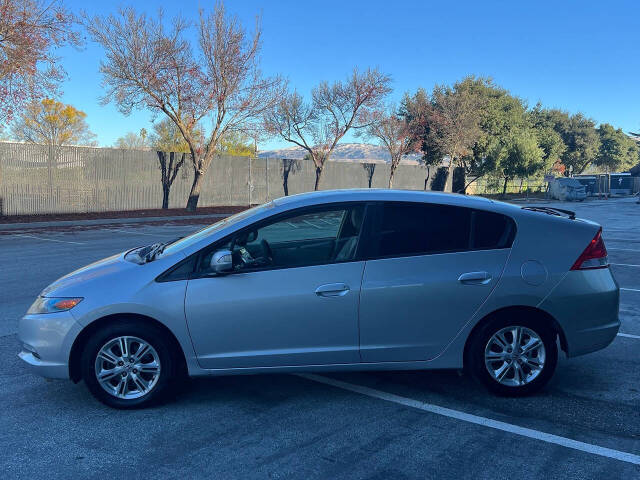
x,y
189,240
413,229
491,230
312,238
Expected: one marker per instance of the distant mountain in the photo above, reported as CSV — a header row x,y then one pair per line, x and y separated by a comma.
x,y
344,152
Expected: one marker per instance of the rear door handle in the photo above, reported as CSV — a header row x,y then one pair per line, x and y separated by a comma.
x,y
475,278
332,290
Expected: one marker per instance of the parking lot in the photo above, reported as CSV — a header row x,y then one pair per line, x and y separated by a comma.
x,y
432,424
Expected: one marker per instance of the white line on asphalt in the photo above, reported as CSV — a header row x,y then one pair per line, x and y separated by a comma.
x,y
628,335
624,265
50,239
631,289
133,232
475,419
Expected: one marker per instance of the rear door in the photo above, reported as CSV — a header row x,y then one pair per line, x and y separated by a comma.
x,y
429,269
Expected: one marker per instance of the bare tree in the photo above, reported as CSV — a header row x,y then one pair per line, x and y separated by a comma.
x,y
289,166
150,66
30,31
392,131
335,109
169,169
370,169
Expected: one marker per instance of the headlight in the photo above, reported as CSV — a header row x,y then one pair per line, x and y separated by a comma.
x,y
53,305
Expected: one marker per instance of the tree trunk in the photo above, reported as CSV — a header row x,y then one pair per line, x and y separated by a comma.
x,y
165,196
448,184
285,182
504,187
391,174
318,176
426,179
194,194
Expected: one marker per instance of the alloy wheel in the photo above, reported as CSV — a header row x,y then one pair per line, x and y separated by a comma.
x,y
514,356
127,367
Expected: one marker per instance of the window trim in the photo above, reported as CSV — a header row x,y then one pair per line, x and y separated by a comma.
x,y
198,273
376,215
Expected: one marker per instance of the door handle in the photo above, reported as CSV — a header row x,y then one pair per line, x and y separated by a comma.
x,y
332,290
475,278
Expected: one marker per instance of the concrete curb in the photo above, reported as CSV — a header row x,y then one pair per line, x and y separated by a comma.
x,y
107,221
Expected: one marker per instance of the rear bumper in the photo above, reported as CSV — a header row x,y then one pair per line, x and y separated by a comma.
x,y
585,304
46,342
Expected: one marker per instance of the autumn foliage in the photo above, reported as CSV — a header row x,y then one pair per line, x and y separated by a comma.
x,y
30,30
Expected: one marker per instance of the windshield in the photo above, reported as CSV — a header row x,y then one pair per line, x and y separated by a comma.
x,y
189,240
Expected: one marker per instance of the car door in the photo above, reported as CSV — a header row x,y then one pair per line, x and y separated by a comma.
x,y
291,299
429,269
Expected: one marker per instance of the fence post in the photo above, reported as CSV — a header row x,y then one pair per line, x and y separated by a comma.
x,y
250,183
266,178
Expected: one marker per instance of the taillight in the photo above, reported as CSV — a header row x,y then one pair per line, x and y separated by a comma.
x,y
594,256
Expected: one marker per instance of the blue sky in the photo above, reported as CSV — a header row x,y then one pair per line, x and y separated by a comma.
x,y
575,55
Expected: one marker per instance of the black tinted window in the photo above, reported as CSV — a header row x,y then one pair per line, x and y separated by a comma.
x,y
492,230
413,229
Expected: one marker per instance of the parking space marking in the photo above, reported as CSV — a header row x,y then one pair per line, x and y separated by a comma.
x,y
630,289
49,239
477,420
134,233
624,265
628,335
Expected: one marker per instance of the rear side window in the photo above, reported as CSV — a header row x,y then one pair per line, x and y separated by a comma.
x,y
405,229
491,230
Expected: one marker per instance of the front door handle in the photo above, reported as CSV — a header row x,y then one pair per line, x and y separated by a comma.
x,y
475,278
332,290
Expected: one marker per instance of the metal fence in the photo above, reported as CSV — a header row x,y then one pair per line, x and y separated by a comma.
x,y
36,179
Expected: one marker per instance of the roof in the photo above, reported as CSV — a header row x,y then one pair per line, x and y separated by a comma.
x,y
380,194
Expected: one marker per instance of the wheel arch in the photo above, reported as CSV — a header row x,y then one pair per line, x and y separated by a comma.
x,y
540,315
85,334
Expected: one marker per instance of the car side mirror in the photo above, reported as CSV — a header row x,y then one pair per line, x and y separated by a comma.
x,y
222,261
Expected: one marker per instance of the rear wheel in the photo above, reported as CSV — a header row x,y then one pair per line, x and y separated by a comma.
x,y
513,356
128,364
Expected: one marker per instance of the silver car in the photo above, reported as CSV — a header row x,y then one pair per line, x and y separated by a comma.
x,y
334,281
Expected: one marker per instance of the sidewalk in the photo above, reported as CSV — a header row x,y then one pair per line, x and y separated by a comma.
x,y
108,221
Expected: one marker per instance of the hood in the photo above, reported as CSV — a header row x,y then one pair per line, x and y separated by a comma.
x,y
66,286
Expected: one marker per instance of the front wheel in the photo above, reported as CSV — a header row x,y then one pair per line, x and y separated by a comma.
x,y
127,364
512,356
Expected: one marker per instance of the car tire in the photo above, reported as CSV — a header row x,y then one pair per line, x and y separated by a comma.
x,y
134,378
508,372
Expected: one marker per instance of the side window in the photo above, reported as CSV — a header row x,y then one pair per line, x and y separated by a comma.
x,y
311,238
492,230
406,229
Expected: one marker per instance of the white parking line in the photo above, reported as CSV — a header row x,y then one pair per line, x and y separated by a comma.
x,y
624,264
630,289
133,232
475,419
628,335
312,224
49,239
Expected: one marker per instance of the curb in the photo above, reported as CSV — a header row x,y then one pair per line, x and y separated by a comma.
x,y
106,221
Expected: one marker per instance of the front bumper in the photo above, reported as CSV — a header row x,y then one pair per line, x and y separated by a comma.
x,y
46,341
